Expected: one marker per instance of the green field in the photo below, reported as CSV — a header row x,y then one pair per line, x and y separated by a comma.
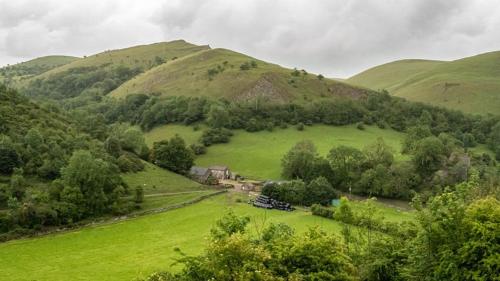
x,y
470,84
166,132
157,180
249,154
136,247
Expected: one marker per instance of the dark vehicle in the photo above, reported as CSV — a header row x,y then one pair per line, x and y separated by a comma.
x,y
266,202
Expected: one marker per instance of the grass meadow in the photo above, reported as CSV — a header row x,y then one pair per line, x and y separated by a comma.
x,y
258,155
128,249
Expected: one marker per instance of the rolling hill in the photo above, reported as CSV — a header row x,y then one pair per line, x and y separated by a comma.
x,y
144,56
179,68
471,84
28,69
222,73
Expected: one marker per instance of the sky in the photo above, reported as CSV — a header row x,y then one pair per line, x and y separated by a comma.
x,y
337,38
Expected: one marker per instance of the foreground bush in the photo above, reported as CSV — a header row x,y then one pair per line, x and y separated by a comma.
x,y
276,254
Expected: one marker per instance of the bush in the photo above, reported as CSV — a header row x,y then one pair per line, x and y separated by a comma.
x,y
321,211
360,126
245,66
300,126
198,149
139,194
128,162
216,135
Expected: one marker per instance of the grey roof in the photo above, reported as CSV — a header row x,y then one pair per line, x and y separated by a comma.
x,y
198,171
219,168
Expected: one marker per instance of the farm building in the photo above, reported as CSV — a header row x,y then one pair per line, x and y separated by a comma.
x,y
199,173
202,174
220,172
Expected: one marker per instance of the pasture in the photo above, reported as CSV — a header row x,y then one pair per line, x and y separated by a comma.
x,y
258,155
136,247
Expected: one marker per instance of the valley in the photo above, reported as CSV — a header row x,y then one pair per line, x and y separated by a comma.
x,y
97,155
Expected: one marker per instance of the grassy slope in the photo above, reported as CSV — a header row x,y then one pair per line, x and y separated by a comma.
x,y
188,77
157,180
125,250
49,61
249,153
41,64
166,132
388,76
137,56
471,84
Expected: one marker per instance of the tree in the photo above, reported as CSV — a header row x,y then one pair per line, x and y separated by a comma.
x,y
378,153
138,194
319,191
94,178
346,164
300,162
494,140
429,155
173,155
133,141
9,159
458,237
413,135
113,146
218,117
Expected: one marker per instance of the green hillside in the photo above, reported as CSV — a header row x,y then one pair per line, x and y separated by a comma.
x,y
390,75
15,73
471,84
138,56
156,180
222,73
101,73
249,153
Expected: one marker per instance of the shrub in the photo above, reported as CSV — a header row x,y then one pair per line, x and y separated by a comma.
x,y
128,162
360,126
215,135
300,126
198,149
321,211
245,66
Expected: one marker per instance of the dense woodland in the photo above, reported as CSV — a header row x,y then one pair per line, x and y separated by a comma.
x,y
55,174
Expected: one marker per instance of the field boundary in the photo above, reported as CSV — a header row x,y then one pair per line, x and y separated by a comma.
x,y
112,220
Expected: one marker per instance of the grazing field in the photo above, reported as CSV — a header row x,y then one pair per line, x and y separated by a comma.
x,y
470,84
157,180
166,132
258,155
136,247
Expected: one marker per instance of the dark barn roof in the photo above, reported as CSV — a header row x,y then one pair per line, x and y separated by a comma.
x,y
198,171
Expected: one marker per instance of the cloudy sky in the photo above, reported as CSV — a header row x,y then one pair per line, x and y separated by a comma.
x,y
334,37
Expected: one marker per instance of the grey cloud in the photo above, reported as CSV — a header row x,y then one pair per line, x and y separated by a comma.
x,y
333,37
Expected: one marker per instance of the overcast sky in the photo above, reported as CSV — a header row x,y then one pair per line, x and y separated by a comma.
x,y
334,37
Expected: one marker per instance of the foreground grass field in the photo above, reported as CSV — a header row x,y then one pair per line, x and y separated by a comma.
x,y
136,247
249,153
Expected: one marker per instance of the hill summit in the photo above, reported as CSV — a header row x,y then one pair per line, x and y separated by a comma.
x,y
470,84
